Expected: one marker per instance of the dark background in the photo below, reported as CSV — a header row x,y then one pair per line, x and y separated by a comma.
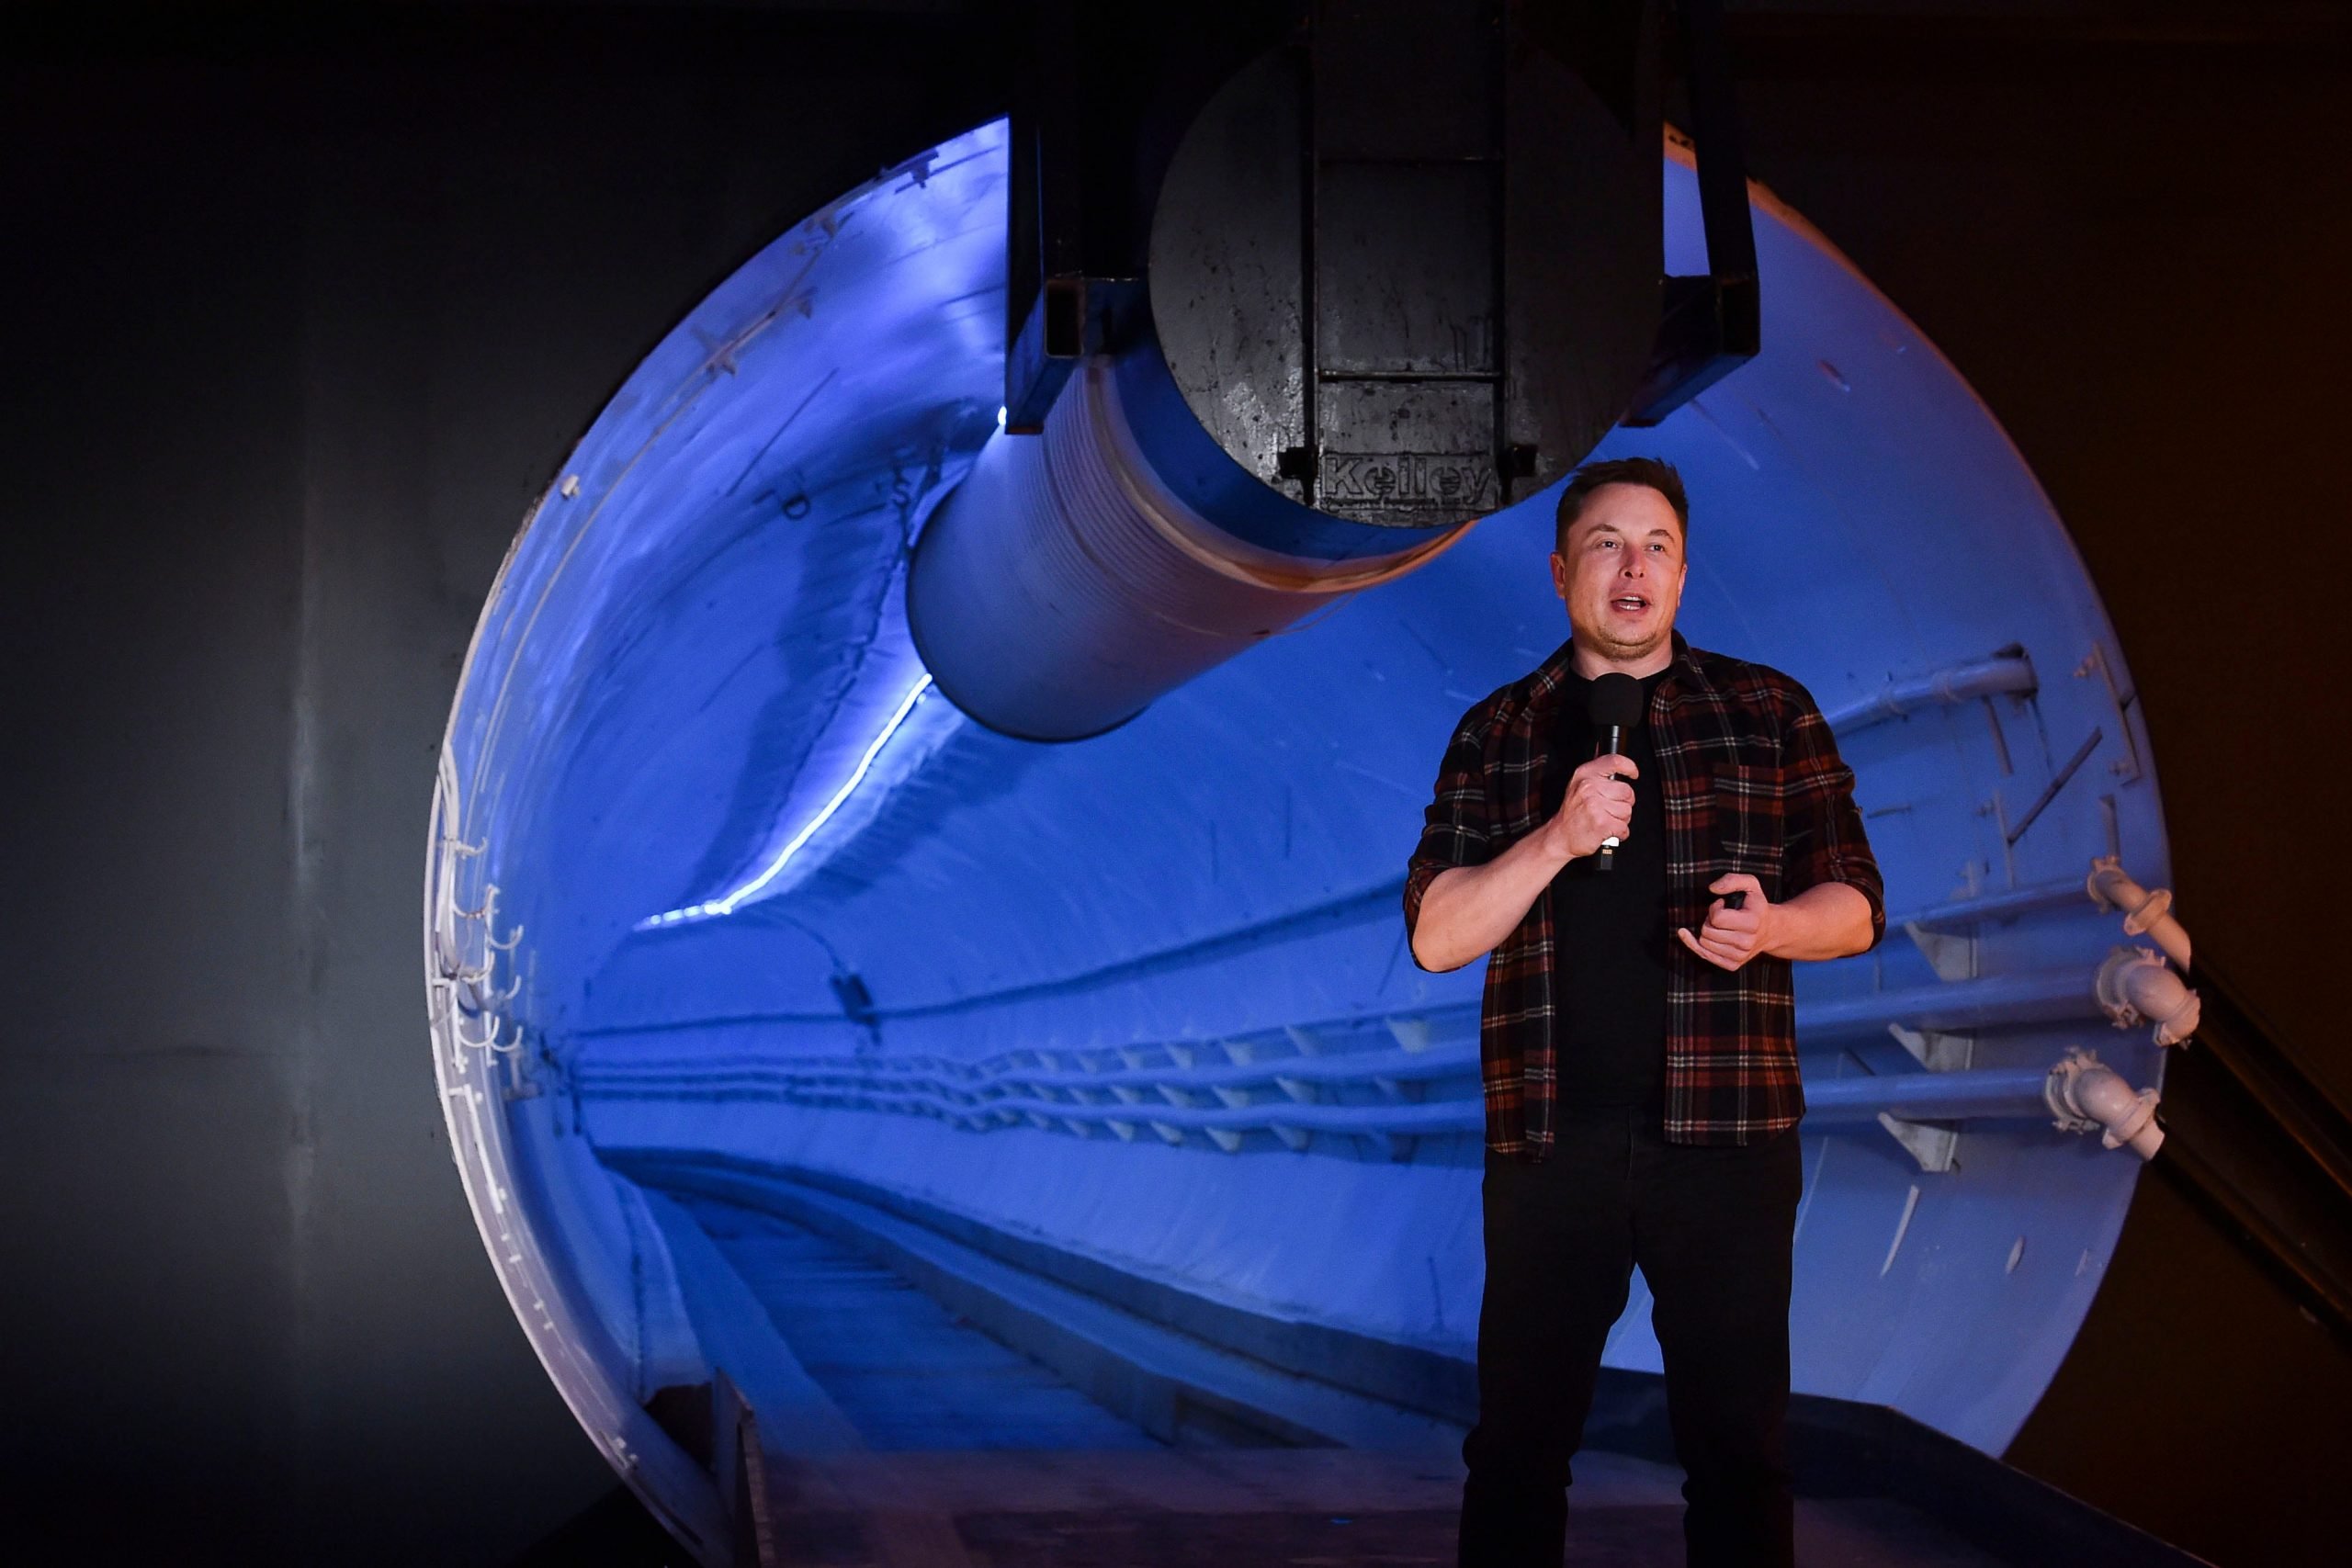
x,y
299,317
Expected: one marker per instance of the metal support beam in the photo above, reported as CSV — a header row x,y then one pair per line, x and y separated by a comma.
x,y
1709,325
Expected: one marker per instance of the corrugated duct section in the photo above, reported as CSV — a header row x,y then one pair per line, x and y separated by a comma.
x,y
1063,587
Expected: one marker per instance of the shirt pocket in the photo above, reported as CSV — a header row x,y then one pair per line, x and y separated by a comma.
x,y
1750,822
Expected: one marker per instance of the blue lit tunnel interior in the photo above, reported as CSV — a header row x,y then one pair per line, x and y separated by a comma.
x,y
723,879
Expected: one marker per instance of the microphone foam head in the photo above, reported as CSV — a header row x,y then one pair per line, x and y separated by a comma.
x,y
1614,698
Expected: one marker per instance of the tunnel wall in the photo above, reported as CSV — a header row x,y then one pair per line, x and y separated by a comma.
x,y
699,658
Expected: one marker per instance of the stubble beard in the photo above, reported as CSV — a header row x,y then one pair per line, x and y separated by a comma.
x,y
1615,648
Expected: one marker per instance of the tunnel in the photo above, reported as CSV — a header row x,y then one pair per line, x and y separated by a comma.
x,y
744,941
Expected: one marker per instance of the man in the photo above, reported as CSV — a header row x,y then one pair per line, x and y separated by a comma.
x,y
1638,1036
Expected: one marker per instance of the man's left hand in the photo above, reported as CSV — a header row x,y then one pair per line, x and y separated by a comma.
x,y
1731,937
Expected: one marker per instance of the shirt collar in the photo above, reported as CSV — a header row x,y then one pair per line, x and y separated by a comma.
x,y
1551,678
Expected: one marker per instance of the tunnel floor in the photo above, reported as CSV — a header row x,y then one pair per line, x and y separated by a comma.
x,y
976,1456
908,1373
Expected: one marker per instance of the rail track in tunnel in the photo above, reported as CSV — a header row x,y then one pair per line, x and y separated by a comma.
x,y
951,1400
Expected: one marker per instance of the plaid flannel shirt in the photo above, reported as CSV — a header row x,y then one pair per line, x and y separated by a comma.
x,y
1752,783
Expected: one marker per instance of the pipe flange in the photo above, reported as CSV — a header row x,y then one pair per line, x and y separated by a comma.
x,y
2153,908
2177,1027
2058,1092
2112,888
2117,1136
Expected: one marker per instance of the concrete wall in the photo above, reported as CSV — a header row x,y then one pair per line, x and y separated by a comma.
x,y
293,334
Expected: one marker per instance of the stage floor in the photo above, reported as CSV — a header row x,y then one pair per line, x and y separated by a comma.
x,y
1228,1508
966,1454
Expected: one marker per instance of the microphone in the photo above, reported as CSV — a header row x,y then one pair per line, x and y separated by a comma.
x,y
1614,706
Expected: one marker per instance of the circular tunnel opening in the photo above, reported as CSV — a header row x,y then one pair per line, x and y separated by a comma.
x,y
752,959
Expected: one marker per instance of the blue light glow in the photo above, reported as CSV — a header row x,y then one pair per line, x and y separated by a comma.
x,y
1146,997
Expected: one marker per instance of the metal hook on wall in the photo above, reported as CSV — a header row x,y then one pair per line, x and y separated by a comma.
x,y
489,910
491,1042
488,916
513,937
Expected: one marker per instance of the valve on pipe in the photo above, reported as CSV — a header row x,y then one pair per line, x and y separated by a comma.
x,y
1297,292
2086,1096
2145,913
2136,986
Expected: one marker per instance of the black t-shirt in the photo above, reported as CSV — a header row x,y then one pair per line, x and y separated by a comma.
x,y
1610,931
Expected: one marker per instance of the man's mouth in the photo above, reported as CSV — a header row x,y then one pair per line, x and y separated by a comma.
x,y
1632,604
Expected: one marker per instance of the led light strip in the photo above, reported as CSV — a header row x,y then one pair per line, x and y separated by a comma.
x,y
727,905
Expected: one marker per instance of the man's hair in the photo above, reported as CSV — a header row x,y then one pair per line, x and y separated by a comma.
x,y
1654,473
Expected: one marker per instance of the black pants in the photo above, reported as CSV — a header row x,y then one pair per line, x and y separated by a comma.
x,y
1711,1229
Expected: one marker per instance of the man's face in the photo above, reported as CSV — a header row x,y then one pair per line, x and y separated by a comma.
x,y
1620,571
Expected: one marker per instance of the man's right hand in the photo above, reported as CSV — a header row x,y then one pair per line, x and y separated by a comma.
x,y
1467,909
1595,806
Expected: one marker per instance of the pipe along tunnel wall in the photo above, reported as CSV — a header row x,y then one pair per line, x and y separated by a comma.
x,y
719,881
